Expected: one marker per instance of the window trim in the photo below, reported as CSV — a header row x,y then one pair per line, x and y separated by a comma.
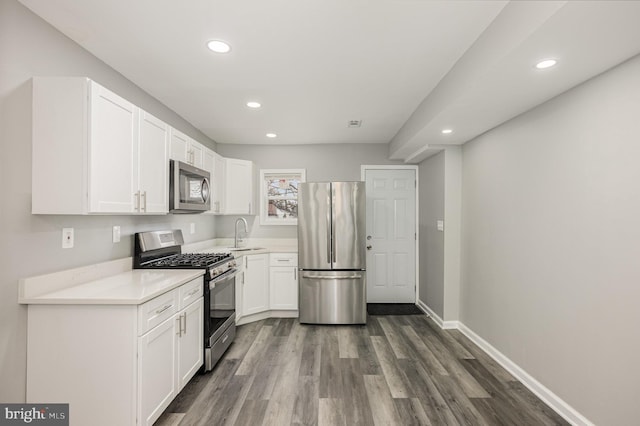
x,y
264,200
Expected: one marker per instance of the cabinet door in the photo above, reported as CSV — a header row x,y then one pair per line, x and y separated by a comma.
x,y
283,287
156,371
197,153
179,149
255,294
190,343
112,136
153,165
214,164
239,187
218,185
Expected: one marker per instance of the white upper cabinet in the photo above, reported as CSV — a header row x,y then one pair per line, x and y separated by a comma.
x,y
185,149
239,183
112,152
153,160
215,165
94,152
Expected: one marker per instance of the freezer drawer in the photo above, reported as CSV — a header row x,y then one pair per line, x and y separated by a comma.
x,y
333,297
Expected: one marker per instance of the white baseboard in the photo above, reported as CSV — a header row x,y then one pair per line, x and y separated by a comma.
x,y
445,325
551,399
542,392
266,314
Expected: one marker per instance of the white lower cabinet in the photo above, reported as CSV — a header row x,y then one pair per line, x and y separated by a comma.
x,y
115,364
168,357
283,281
255,291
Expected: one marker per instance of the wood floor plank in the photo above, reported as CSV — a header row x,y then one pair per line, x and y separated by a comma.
x,y
369,364
305,409
330,412
347,345
431,363
252,412
170,419
245,336
392,374
225,407
459,404
282,399
311,352
256,351
266,371
411,412
383,409
471,387
496,369
373,326
330,380
435,406
538,409
395,340
356,403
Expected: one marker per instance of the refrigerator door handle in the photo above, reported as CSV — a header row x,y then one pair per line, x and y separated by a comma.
x,y
328,277
333,229
329,234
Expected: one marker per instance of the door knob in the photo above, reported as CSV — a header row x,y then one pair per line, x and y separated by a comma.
x,y
369,247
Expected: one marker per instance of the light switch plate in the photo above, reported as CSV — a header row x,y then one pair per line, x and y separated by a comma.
x,y
67,238
116,234
193,228
440,225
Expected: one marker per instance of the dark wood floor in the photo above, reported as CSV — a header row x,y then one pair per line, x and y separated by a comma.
x,y
396,370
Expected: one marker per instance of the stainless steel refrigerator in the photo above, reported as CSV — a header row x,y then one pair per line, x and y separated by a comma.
x,y
331,253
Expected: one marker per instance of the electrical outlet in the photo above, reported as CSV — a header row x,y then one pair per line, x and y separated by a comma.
x,y
67,238
116,234
193,228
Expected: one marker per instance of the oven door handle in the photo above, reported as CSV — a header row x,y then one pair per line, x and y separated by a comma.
x,y
229,274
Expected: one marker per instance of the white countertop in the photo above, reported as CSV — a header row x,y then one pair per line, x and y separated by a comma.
x,y
115,283
127,288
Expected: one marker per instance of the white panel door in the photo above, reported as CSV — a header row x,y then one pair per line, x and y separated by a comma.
x,y
179,149
391,236
190,343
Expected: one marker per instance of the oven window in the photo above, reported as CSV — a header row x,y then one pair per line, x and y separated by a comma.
x,y
223,303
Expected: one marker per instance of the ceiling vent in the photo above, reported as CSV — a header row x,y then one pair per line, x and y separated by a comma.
x,y
354,123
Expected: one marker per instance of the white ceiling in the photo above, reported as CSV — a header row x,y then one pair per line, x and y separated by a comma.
x,y
405,68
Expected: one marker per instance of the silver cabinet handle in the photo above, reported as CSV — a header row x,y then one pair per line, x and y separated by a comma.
x,y
339,277
184,319
137,201
164,308
144,204
179,332
192,292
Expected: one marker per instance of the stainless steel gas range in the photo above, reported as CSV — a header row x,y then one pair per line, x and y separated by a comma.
x,y
163,250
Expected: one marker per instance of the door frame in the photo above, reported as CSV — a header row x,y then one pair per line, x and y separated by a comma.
x,y
363,170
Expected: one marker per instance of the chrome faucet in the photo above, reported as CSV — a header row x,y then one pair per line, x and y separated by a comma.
x,y
242,220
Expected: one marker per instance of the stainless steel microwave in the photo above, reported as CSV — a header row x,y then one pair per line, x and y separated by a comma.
x,y
188,188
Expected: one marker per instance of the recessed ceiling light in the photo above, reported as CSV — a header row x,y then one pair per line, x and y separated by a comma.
x,y
271,135
218,46
547,63
254,104
446,131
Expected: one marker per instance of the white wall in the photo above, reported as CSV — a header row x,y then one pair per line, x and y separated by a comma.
x,y
431,264
328,162
551,244
30,245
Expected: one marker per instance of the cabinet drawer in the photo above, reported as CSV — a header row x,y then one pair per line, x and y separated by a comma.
x,y
190,292
155,311
283,259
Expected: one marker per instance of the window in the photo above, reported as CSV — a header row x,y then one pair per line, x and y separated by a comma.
x,y
279,196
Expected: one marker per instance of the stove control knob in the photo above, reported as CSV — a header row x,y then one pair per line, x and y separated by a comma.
x,y
232,264
215,271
